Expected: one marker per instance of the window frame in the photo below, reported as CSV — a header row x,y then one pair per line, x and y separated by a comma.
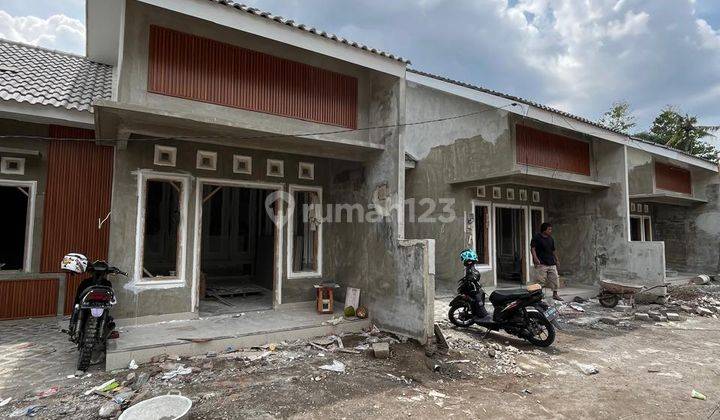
x,y
138,275
291,274
29,222
641,218
491,243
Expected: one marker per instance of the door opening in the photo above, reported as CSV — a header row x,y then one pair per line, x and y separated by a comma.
x,y
238,251
510,244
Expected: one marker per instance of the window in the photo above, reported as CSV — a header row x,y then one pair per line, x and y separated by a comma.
x,y
482,232
305,232
165,156
206,160
242,164
18,200
162,211
640,228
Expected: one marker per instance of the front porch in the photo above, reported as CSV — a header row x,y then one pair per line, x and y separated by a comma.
x,y
203,335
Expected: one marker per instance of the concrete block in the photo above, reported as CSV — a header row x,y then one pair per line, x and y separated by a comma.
x,y
673,316
687,309
642,316
704,311
381,350
654,314
610,320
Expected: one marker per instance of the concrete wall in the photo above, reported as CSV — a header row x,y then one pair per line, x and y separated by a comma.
x,y
35,170
641,172
132,87
646,262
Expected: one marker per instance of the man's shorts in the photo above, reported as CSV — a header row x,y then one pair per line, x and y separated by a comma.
x,y
547,275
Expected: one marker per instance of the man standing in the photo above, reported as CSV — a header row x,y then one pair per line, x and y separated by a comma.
x,y
545,258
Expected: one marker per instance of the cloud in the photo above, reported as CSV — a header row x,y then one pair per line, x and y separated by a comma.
x,y
580,56
57,32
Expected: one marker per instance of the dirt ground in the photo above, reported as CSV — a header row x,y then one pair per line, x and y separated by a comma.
x,y
645,370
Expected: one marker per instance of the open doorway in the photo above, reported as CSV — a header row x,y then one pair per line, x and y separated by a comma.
x,y
237,257
510,244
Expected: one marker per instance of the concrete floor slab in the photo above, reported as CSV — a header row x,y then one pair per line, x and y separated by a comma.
x,y
143,342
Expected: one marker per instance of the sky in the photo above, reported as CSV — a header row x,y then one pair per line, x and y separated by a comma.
x,y
578,56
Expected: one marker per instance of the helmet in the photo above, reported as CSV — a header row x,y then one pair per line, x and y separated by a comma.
x,y
77,263
468,255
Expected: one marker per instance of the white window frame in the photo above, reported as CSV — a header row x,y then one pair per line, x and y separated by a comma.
x,y
180,280
491,239
642,227
168,149
29,222
291,225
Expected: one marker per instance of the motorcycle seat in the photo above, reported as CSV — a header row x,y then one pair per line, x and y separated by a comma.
x,y
504,295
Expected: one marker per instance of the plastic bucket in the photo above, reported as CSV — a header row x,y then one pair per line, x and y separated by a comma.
x,y
164,407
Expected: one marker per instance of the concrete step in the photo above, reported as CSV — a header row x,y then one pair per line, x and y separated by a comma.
x,y
141,343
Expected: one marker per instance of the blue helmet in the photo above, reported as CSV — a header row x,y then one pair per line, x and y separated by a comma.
x,y
468,255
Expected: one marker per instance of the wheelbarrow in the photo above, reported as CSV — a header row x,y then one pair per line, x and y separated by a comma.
x,y
612,291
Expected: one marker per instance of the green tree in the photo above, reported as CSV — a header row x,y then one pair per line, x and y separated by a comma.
x,y
681,131
618,117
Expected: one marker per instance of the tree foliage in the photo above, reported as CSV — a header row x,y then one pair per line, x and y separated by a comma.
x,y
681,131
618,117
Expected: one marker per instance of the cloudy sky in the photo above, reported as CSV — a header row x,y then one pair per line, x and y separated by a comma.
x,y
578,56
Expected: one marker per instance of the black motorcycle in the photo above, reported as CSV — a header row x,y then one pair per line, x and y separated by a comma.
x,y
91,324
520,312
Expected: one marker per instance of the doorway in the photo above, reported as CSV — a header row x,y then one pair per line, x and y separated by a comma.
x,y
510,244
237,256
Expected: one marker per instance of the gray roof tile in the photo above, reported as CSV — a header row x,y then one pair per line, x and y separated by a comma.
x,y
40,76
303,27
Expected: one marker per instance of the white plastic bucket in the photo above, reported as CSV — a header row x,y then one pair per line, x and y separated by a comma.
x,y
169,406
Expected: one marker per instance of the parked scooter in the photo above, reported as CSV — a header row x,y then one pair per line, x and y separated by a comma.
x,y
520,311
91,324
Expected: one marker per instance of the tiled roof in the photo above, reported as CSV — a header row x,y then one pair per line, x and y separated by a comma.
x,y
550,109
40,76
310,29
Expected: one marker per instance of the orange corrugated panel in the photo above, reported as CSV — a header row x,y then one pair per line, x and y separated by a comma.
x,y
28,298
547,150
673,178
201,69
79,185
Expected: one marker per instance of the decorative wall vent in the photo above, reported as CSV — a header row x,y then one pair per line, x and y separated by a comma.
x,y
242,164
522,195
206,160
275,167
497,192
480,191
306,170
536,196
12,166
165,156
510,194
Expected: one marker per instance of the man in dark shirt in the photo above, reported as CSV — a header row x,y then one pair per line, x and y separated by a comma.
x,y
545,259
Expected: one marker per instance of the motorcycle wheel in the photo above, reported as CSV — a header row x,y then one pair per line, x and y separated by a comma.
x,y
460,314
541,331
87,344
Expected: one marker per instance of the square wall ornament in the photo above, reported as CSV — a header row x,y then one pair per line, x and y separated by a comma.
x,y
206,160
536,196
480,192
522,195
165,156
12,166
646,208
510,193
497,192
306,170
275,168
242,164
632,207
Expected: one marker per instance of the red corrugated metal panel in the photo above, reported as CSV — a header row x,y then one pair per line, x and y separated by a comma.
x,y
28,298
201,69
79,186
673,178
539,148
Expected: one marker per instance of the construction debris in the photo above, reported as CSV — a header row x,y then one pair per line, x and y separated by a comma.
x,y
381,350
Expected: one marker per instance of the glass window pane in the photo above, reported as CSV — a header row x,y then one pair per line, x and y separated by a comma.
x,y
162,223
305,232
14,209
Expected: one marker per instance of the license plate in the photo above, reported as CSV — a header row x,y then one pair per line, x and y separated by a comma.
x,y
551,314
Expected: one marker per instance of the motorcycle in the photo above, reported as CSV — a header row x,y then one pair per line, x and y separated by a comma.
x,y
520,311
91,324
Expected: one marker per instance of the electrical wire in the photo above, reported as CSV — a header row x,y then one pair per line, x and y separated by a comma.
x,y
268,136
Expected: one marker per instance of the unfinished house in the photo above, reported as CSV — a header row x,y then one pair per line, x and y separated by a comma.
x,y
506,164
204,141
674,201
